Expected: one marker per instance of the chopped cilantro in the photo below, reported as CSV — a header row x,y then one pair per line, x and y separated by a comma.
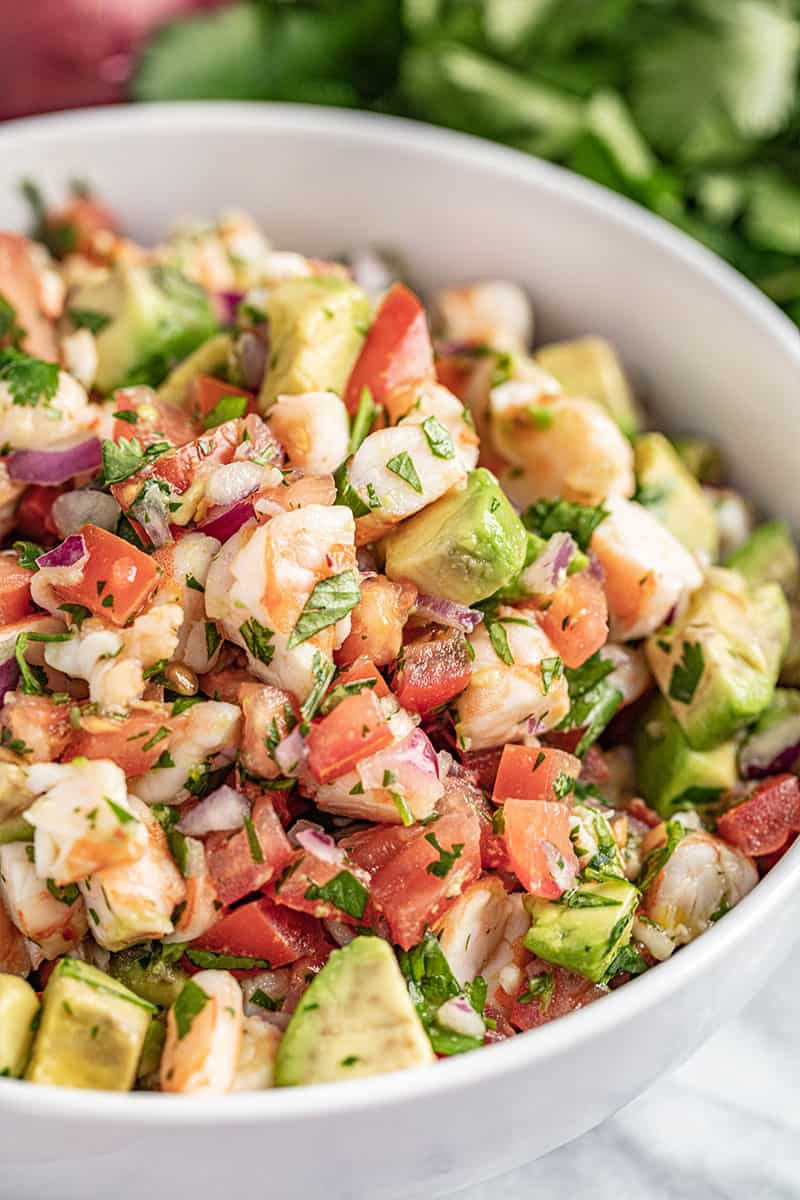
x,y
190,1003
123,816
256,852
438,438
330,601
258,640
446,857
364,419
323,670
124,458
29,379
344,891
227,408
213,960
687,673
89,318
213,639
431,984
551,669
402,465
554,516
77,613
27,554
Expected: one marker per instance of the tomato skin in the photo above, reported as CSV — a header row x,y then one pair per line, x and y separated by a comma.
x,y
263,929
206,393
570,992
538,842
126,742
435,668
34,516
354,729
576,619
177,467
363,668
306,871
43,726
230,859
455,371
128,577
763,822
397,348
15,590
156,421
529,773
410,896
19,285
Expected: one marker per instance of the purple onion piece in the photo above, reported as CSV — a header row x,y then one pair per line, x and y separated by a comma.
x,y
447,612
773,749
252,355
9,675
51,467
291,751
223,523
69,552
320,844
227,304
222,810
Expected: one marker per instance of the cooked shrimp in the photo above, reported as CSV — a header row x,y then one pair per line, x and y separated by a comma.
x,y
210,737
201,1053
417,402
14,956
503,702
472,928
82,819
492,313
592,835
267,717
503,971
314,429
47,421
256,1067
200,906
558,445
631,674
134,901
648,573
702,878
395,473
186,565
55,925
34,724
398,784
377,621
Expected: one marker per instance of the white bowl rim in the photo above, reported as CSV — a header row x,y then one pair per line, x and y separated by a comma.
x,y
273,1107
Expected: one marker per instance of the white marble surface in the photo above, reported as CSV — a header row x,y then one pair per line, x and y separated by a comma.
x,y
725,1126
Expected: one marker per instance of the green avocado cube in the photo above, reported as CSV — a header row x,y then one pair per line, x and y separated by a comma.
x,y
149,973
18,1009
674,496
212,358
718,665
670,775
790,667
91,1033
701,458
317,326
148,319
356,1018
462,547
590,367
584,930
769,556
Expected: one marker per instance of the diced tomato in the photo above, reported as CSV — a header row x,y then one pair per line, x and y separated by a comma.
x,y
35,721
19,285
238,865
267,715
134,742
482,765
177,467
156,421
539,846
763,822
530,773
595,767
307,873
363,668
569,992
303,971
409,893
117,580
765,862
206,393
377,621
34,515
454,371
433,670
396,349
575,618
354,729
263,929
15,590
224,683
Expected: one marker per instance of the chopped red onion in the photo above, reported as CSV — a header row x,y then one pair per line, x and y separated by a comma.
x,y
9,674
414,768
447,612
321,845
223,522
342,934
72,510
561,872
771,750
67,554
150,510
548,573
221,810
596,567
291,752
252,355
227,304
51,467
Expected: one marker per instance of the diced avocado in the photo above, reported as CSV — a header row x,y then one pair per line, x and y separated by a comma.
x,y
773,744
673,495
769,556
14,794
590,367
153,1047
18,1008
155,317
212,358
790,667
522,584
464,546
718,666
91,1033
670,774
316,327
584,930
148,973
15,829
356,1018
701,458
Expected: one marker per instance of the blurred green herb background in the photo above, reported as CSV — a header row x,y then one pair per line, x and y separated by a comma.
x,y
691,107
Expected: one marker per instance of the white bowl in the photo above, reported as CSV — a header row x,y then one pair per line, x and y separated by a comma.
x,y
712,354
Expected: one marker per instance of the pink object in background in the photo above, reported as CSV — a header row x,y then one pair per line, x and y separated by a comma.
x,y
67,53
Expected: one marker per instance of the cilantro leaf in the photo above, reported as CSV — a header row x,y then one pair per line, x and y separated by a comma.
x,y
330,601
10,330
323,670
344,891
431,983
27,554
190,1004
438,438
687,673
540,987
364,419
30,380
77,612
658,857
402,465
125,457
447,858
213,960
547,517
226,409
499,639
593,700
258,640
342,691
88,318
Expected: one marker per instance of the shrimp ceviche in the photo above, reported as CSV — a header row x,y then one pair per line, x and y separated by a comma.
x,y
374,687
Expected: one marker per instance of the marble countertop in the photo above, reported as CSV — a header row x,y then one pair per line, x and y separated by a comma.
x,y
725,1126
